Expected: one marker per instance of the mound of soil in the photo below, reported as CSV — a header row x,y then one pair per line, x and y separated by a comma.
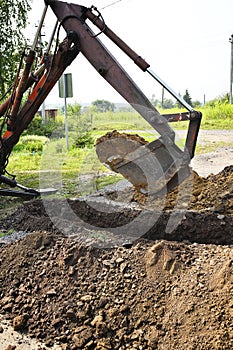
x,y
170,289
154,295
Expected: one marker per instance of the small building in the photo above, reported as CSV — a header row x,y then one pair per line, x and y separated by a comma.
x,y
50,111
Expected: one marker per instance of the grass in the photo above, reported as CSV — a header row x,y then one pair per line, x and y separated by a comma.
x,y
8,233
75,172
218,117
211,146
119,121
78,171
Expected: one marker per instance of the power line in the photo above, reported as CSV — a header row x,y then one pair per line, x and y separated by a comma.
x,y
113,3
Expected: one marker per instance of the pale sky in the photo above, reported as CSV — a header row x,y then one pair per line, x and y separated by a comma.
x,y
186,43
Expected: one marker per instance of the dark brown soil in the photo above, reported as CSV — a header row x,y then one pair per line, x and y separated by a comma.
x,y
170,289
153,295
203,215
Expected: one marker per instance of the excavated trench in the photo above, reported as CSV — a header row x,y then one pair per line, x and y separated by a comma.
x,y
198,211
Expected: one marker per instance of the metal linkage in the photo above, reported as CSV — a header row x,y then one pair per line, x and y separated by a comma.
x,y
24,192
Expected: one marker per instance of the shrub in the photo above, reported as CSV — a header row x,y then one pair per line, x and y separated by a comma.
x,y
31,143
84,140
36,127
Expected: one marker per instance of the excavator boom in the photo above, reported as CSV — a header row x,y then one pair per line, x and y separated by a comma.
x,y
150,167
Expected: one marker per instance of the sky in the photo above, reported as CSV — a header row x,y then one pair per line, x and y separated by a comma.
x,y
186,43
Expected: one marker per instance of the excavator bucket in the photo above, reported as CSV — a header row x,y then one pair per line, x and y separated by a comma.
x,y
150,167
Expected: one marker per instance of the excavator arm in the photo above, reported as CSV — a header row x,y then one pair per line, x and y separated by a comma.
x,y
150,167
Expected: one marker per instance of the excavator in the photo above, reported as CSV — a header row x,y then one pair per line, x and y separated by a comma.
x,y
150,167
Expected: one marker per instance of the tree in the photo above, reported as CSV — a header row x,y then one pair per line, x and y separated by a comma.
x,y
219,100
36,127
13,18
196,104
74,109
81,130
167,103
103,105
187,98
177,103
155,102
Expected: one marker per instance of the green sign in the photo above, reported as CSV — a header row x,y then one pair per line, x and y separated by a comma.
x,y
65,86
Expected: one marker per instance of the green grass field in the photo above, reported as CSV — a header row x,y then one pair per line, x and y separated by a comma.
x,y
218,117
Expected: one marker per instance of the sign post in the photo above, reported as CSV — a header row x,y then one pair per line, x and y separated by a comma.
x,y
231,76
66,90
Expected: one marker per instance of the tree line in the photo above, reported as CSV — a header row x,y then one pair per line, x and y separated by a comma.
x,y
105,106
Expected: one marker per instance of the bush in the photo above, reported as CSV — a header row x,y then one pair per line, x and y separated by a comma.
x,y
84,140
36,127
31,143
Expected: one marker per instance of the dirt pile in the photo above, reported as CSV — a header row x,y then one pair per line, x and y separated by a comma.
x,y
213,193
116,134
154,295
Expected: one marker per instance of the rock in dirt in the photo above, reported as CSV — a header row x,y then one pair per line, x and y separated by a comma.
x,y
19,322
11,347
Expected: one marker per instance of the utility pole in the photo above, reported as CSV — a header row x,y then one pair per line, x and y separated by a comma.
x,y
162,96
231,76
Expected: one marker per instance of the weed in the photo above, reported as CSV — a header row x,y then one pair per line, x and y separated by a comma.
x,y
7,233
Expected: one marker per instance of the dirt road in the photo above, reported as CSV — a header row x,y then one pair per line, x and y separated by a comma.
x,y
213,162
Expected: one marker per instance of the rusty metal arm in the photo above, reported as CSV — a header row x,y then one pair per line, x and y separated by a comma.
x,y
72,17
194,117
